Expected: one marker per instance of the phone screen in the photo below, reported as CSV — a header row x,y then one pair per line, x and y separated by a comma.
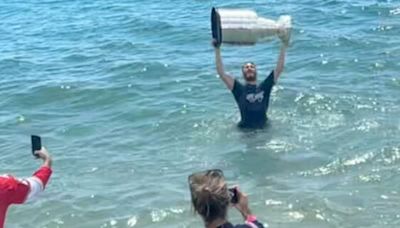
x,y
36,143
233,195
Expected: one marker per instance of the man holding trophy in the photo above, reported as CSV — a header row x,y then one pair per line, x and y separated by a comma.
x,y
246,28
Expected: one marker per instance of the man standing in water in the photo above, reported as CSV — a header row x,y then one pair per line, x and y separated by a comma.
x,y
252,99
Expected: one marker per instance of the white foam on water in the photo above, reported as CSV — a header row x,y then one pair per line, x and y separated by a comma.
x,y
365,125
392,156
58,221
278,146
385,197
364,106
113,222
132,221
329,121
395,11
20,119
299,97
296,216
319,216
338,164
158,215
359,159
271,202
370,178
177,210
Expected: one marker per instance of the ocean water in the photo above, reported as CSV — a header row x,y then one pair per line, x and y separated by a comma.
x,y
126,98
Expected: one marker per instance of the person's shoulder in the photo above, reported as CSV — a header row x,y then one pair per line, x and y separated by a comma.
x,y
271,77
8,182
237,84
7,178
268,81
237,81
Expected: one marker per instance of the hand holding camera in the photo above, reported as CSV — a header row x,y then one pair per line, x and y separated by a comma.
x,y
240,201
40,152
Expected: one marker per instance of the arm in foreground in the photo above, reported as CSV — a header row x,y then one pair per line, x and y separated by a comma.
x,y
243,207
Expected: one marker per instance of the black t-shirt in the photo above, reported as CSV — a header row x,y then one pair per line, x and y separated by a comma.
x,y
253,102
252,225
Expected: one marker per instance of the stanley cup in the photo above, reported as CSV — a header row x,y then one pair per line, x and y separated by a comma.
x,y
238,26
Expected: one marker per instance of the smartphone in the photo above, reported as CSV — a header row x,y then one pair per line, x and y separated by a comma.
x,y
36,144
233,194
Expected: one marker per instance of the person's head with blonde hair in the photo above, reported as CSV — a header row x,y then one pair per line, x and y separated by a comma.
x,y
211,199
210,196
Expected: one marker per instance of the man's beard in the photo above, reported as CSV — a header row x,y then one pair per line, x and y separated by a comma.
x,y
252,78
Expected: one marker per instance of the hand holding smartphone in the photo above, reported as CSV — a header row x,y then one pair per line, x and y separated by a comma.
x,y
233,194
36,144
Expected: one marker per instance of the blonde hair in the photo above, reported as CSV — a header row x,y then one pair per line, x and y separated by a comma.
x,y
210,197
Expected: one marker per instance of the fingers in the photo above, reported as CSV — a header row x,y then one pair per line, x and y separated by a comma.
x,y
238,191
43,153
215,43
284,36
39,154
242,197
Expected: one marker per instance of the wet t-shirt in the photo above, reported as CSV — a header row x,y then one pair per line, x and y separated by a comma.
x,y
253,101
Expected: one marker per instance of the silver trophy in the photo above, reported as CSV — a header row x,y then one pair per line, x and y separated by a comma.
x,y
245,27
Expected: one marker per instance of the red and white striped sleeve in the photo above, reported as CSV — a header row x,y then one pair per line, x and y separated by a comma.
x,y
38,182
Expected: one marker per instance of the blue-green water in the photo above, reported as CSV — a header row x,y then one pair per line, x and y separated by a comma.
x,y
126,97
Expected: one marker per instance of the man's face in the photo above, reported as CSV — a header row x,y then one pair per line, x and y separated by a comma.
x,y
249,72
